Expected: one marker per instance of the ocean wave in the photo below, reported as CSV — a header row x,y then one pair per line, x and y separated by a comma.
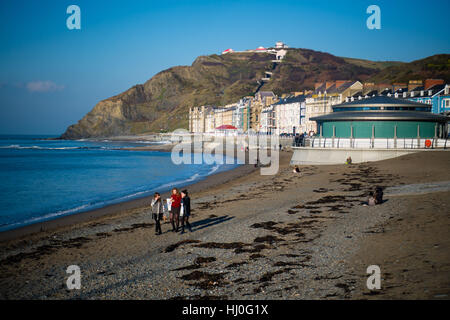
x,y
214,169
19,147
45,217
16,146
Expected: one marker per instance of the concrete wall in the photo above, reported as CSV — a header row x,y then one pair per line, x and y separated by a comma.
x,y
318,156
410,143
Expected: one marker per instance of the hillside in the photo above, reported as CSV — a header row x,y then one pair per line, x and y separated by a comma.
x,y
437,66
162,103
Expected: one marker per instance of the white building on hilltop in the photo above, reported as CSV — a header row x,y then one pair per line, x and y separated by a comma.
x,y
281,45
279,50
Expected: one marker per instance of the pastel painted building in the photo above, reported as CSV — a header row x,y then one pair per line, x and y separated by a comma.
x,y
288,115
437,96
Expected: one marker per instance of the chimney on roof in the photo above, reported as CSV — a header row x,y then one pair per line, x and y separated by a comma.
x,y
359,97
431,82
404,94
346,99
352,99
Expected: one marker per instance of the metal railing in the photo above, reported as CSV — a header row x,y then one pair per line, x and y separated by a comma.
x,y
376,143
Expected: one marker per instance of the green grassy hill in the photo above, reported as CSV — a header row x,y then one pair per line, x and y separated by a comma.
x,y
162,103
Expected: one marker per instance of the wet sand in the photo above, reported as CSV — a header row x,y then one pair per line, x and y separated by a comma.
x,y
288,236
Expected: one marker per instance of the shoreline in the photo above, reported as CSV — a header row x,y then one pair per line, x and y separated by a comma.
x,y
287,236
117,209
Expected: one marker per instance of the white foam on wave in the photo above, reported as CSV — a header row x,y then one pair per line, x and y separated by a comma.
x,y
16,146
214,169
44,217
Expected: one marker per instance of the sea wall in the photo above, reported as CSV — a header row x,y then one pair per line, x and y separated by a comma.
x,y
323,156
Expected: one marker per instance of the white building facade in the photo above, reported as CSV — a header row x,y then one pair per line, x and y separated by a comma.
x,y
288,115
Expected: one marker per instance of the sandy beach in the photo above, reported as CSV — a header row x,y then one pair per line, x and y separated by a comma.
x,y
288,236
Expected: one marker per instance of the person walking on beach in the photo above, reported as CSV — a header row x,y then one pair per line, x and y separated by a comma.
x,y
186,202
157,212
175,212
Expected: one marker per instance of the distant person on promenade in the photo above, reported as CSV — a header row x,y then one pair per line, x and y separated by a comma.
x,y
186,203
302,140
175,205
157,212
296,169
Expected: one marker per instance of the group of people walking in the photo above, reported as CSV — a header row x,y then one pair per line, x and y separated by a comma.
x,y
179,208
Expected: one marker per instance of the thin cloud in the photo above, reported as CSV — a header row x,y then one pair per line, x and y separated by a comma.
x,y
43,86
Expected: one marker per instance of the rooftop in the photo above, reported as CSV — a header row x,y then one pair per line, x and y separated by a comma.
x,y
381,101
381,115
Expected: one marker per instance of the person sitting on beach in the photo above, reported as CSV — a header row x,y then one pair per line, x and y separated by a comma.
x,y
186,203
157,212
349,160
175,206
296,169
378,195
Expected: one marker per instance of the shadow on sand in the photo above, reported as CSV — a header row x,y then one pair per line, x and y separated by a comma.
x,y
205,223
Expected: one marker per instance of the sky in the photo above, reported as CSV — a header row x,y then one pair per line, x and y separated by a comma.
x,y
50,76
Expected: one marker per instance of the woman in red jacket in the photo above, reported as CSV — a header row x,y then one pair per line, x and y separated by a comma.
x,y
175,206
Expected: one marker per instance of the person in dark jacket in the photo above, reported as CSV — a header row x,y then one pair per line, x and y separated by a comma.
x,y
186,202
378,195
157,212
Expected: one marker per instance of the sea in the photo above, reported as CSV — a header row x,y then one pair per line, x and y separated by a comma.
x,y
43,179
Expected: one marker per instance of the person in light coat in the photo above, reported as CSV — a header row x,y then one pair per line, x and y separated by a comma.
x,y
157,212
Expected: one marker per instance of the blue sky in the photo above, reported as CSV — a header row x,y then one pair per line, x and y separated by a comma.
x,y
51,77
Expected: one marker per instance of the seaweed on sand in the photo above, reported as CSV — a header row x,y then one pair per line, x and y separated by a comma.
x,y
180,243
205,280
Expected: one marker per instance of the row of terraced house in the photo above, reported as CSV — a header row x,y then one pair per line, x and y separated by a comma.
x,y
266,113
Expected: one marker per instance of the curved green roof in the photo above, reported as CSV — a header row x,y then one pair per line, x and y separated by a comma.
x,y
393,115
382,101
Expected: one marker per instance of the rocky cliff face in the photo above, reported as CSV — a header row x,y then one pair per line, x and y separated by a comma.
x,y
162,103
